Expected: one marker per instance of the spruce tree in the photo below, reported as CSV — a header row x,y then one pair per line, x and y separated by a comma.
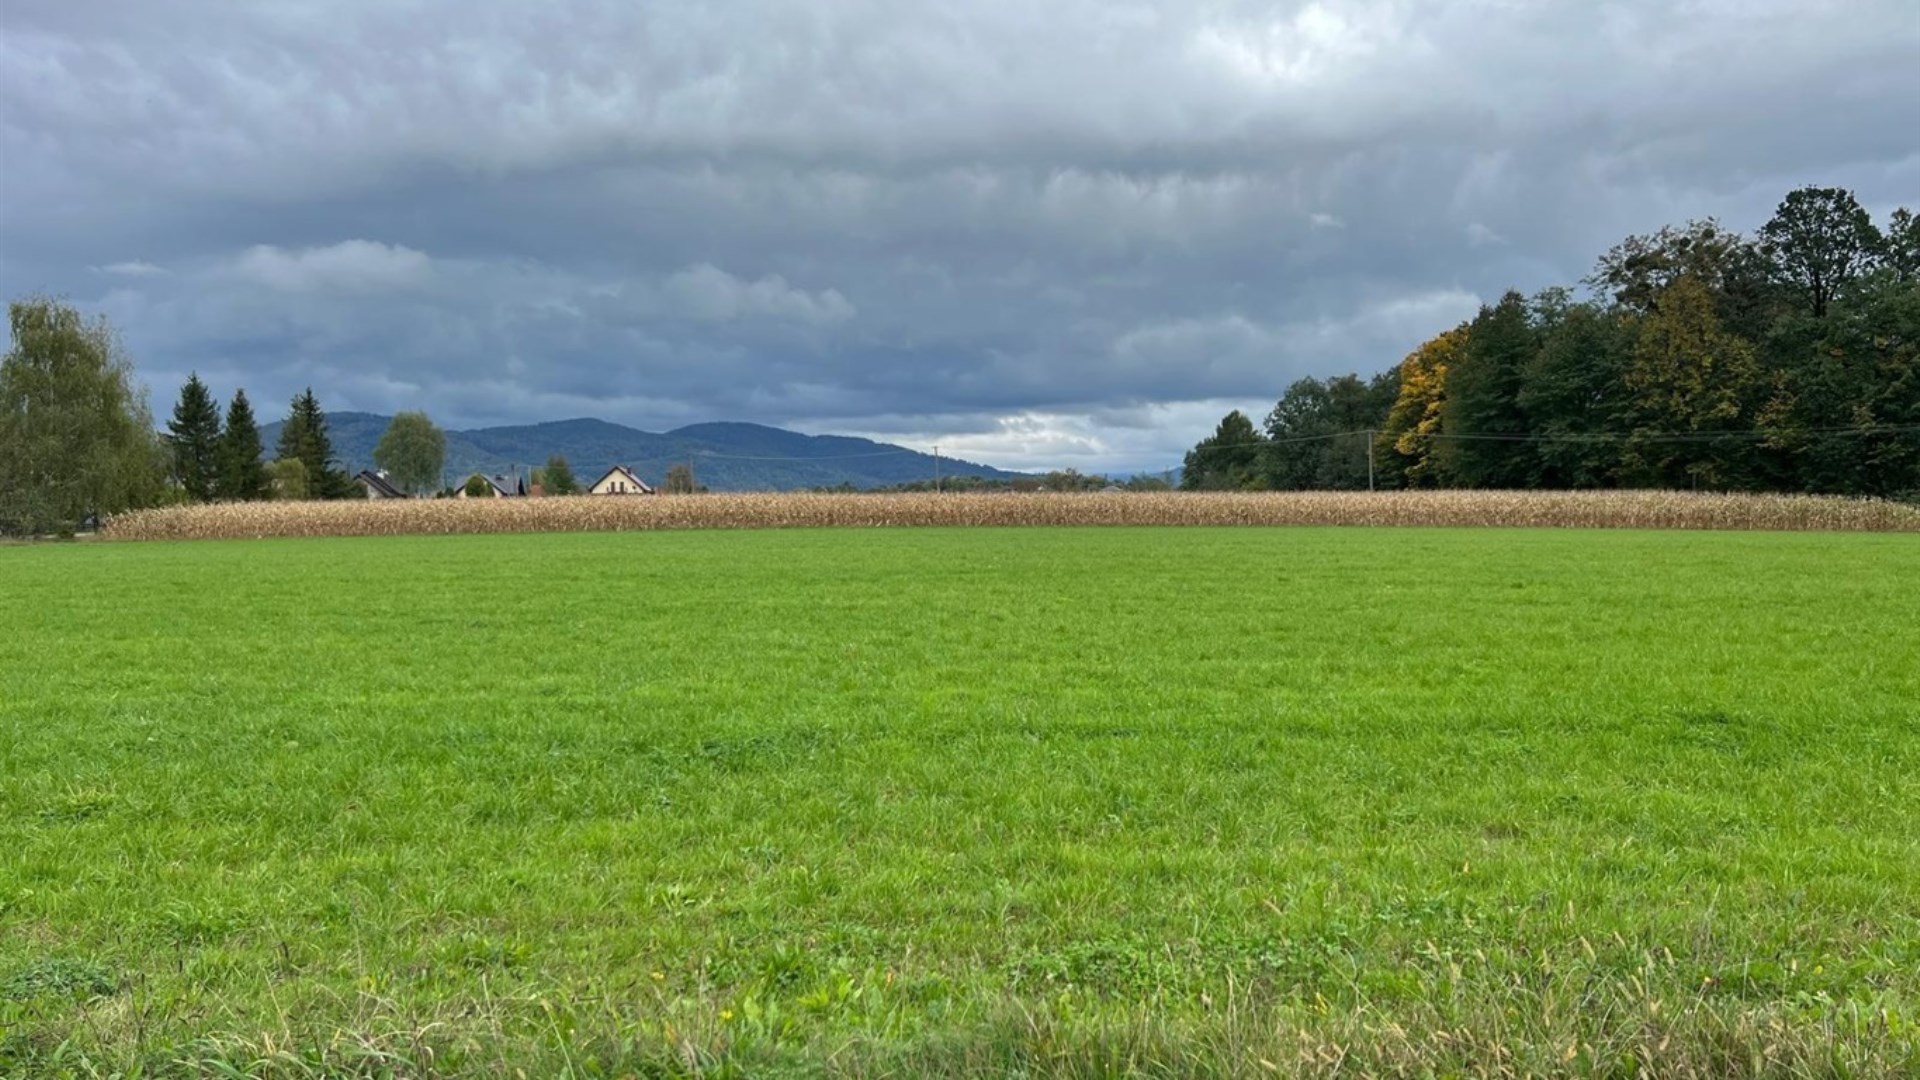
x,y
242,476
304,439
194,433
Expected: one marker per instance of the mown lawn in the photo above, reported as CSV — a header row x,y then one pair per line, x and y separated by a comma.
x,y
1046,801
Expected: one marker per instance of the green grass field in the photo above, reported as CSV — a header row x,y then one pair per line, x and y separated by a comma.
x,y
1037,802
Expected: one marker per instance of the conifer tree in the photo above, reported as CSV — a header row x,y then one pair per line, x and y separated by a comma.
x,y
304,439
194,433
242,476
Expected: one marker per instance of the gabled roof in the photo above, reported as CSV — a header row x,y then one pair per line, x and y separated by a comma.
x,y
502,485
380,484
640,487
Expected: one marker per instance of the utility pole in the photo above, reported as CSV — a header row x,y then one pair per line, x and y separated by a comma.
x,y
936,467
1370,440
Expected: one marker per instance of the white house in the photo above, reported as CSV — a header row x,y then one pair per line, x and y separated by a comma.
x,y
620,481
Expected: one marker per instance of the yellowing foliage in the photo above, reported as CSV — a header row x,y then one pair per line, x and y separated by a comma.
x,y
1415,416
1688,372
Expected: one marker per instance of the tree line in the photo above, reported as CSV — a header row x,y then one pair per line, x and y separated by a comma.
x,y
78,441
212,462
1788,360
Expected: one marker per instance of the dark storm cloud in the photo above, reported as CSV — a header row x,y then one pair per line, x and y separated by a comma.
x,y
1066,233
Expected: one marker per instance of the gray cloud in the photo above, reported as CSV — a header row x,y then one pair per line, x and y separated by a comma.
x,y
351,266
1065,233
132,268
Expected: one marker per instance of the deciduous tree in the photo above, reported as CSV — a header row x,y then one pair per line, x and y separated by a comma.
x,y
557,478
679,480
1634,272
76,438
1572,390
1842,411
1320,434
1820,240
1688,376
1414,418
1228,460
1486,440
287,478
1902,247
413,452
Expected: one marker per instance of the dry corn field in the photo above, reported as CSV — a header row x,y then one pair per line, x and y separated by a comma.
x,y
1564,509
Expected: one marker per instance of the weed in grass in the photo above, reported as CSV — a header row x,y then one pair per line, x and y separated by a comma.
x,y
56,977
74,805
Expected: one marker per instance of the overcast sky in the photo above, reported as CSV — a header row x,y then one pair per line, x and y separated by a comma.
x,y
1041,233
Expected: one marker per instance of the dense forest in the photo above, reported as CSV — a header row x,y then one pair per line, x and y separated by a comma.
x,y
1788,360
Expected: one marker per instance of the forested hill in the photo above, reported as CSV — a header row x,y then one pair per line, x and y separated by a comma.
x,y
1787,360
724,456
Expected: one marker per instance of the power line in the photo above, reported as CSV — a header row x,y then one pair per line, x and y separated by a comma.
x,y
1588,437
1600,438
1678,436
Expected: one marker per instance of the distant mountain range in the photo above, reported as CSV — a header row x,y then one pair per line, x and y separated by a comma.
x,y
724,456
